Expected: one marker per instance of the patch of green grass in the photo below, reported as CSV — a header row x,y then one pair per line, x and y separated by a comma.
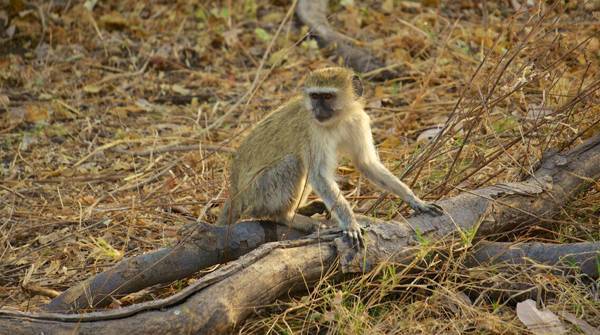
x,y
262,34
506,123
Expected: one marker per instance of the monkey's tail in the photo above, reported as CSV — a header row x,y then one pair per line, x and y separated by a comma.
x,y
230,214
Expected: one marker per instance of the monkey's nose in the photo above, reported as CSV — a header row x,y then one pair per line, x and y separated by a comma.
x,y
323,115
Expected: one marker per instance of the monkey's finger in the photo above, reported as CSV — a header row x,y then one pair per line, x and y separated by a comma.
x,y
361,239
435,209
353,238
347,234
358,238
356,241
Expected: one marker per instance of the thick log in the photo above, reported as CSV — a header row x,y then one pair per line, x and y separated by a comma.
x,y
224,298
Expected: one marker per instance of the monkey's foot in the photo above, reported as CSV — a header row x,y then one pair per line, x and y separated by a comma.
x,y
305,224
428,208
312,208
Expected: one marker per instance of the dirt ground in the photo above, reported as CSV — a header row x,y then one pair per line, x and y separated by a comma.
x,y
118,118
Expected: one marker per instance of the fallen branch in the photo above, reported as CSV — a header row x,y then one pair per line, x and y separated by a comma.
x,y
174,148
224,298
181,99
313,13
562,257
572,261
202,246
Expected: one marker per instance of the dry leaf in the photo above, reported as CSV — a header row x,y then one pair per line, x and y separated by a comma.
x,y
124,111
90,4
92,89
410,6
114,20
273,17
539,322
387,6
35,114
52,268
231,36
180,90
430,3
277,58
585,327
28,141
351,19
53,236
87,199
62,111
374,103
28,274
120,165
145,105
594,45
391,143
429,134
561,91
347,3
15,115
538,112
379,92
4,100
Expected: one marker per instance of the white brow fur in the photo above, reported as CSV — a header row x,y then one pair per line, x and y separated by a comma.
x,y
310,90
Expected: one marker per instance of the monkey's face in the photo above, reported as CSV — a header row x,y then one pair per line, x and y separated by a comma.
x,y
324,105
330,93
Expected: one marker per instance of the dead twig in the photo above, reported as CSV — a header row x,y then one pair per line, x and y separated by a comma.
x,y
175,148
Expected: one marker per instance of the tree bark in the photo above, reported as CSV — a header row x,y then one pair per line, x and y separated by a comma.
x,y
224,298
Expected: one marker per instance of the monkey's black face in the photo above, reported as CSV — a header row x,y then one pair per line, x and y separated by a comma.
x,y
323,105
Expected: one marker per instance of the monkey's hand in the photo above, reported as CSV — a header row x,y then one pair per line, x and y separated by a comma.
x,y
354,232
429,208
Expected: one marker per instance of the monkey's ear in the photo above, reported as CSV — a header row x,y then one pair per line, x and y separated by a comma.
x,y
357,86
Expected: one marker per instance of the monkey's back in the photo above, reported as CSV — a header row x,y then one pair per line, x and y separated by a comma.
x,y
281,134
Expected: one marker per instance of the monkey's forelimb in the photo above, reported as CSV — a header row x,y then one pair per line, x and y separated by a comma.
x,y
328,190
383,178
364,156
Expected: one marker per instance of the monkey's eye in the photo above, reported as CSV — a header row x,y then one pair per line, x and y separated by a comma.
x,y
321,96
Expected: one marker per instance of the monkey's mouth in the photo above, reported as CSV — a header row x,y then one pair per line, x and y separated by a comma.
x,y
322,118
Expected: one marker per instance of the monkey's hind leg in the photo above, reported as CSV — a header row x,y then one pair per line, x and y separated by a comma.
x,y
303,223
312,208
278,191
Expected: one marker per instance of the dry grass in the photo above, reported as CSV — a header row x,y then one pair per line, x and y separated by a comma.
x,y
81,93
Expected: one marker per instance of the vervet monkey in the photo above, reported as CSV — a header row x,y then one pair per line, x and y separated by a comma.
x,y
294,151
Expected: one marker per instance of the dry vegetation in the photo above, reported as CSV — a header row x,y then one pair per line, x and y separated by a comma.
x,y
82,93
